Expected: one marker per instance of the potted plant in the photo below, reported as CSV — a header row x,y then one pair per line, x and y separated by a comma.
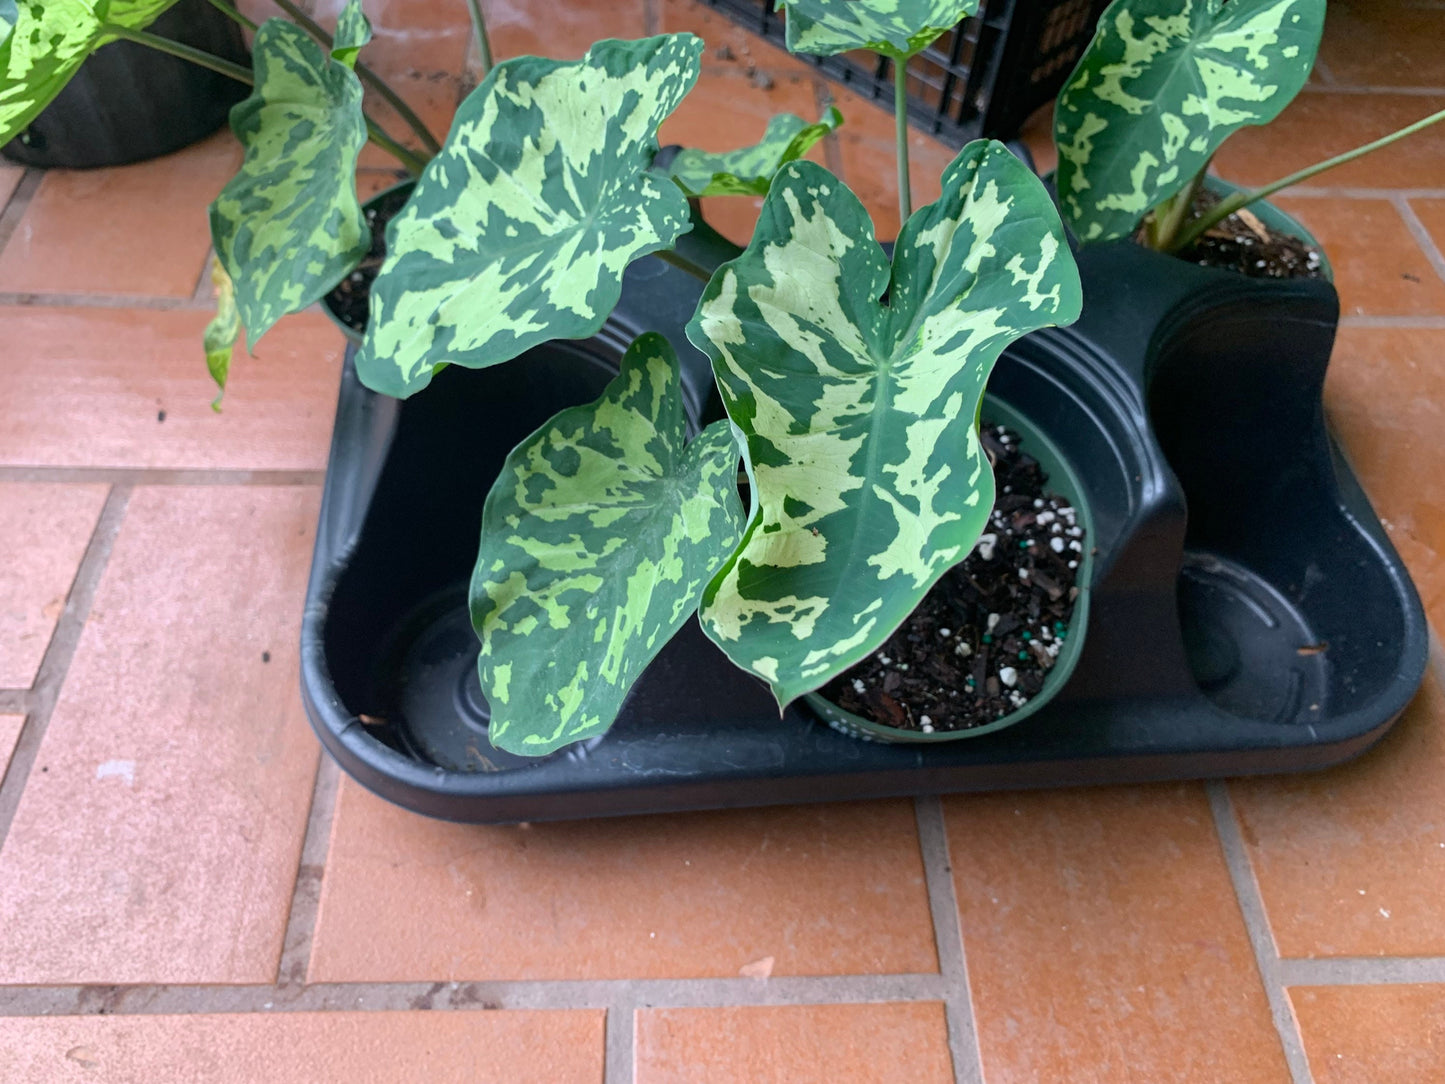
x,y
125,102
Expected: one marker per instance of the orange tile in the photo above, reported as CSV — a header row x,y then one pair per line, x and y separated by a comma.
x,y
1385,397
726,42
426,67
1105,942
1380,269
9,734
44,530
370,182
1373,1034
795,1044
824,890
522,1047
138,229
1431,213
159,833
9,179
1037,133
1371,43
1351,862
563,31
1320,125
87,388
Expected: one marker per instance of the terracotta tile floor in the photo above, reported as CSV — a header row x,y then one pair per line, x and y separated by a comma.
x,y
189,892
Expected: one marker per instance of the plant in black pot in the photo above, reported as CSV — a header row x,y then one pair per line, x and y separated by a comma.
x,y
1218,307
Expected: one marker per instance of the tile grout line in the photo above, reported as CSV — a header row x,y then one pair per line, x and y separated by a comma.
x,y
30,299
18,203
619,1064
1421,235
55,664
1352,89
948,936
1363,971
161,476
1399,323
295,956
1256,924
621,995
1335,191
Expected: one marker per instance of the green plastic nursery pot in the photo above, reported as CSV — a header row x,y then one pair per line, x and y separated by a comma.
x,y
1063,480
371,204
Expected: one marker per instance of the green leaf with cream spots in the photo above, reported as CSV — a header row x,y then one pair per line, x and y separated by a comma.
x,y
749,170
869,482
288,226
223,330
1161,86
520,229
597,539
353,30
895,28
47,43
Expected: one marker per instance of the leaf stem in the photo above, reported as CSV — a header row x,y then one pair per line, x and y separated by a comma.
x,y
479,27
682,263
409,158
185,52
1169,216
900,130
1226,207
231,13
367,76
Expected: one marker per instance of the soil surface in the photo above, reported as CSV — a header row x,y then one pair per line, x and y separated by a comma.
x,y
1247,245
982,642
350,301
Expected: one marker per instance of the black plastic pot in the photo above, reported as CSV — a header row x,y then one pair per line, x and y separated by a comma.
x,y
128,102
1247,612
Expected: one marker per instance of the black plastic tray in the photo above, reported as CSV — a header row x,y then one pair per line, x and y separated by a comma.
x,y
1249,614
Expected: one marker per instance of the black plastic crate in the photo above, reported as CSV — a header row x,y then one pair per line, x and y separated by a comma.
x,y
982,78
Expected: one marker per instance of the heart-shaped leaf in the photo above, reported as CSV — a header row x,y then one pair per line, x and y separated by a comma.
x,y
896,28
520,229
223,330
597,539
1161,86
869,482
353,30
749,170
288,226
47,44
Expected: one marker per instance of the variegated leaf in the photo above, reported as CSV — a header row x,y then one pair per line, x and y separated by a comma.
x,y
520,229
749,170
1162,85
353,30
896,28
288,226
222,332
47,44
597,539
869,482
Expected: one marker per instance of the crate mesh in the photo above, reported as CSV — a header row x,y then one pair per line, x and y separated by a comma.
x,y
982,78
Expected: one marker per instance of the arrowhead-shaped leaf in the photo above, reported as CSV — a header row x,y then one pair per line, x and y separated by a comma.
x,y
1161,86
222,332
896,28
749,170
288,226
353,30
597,539
859,414
520,229
48,42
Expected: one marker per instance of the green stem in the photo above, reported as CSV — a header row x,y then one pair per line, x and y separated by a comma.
x,y
231,13
682,263
409,158
1169,216
479,27
185,52
367,76
1226,207
900,129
